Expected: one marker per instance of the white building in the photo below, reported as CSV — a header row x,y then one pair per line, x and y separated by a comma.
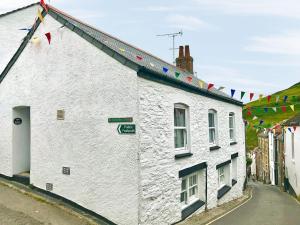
x,y
114,129
272,157
292,155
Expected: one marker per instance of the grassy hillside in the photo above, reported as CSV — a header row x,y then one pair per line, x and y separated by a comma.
x,y
271,117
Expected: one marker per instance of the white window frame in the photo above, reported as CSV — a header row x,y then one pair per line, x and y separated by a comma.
x,y
215,114
186,148
234,165
190,199
232,116
221,176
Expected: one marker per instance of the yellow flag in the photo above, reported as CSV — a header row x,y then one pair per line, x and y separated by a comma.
x,y
260,97
201,83
292,107
40,16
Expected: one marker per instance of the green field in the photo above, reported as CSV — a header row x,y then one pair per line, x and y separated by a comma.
x,y
271,117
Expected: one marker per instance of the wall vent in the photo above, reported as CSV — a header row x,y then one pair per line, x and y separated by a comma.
x,y
66,170
60,114
49,187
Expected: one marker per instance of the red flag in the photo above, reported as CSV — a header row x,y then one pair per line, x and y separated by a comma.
x,y
251,96
48,35
269,98
249,112
283,108
140,58
210,86
295,128
43,4
189,78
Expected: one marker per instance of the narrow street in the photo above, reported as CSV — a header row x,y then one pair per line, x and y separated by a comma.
x,y
269,206
20,209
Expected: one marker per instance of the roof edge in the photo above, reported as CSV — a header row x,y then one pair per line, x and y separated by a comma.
x,y
19,9
153,76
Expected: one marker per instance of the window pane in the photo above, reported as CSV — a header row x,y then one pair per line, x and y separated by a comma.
x,y
180,138
193,191
193,180
179,117
183,185
183,197
231,134
230,122
211,120
212,134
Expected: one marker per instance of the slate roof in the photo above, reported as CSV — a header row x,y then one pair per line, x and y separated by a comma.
x,y
16,10
294,121
133,57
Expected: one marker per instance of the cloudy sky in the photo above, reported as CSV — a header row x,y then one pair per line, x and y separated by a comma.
x,y
251,45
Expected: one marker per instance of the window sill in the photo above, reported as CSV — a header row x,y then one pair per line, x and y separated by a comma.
x,y
223,191
191,209
233,182
213,148
233,143
183,155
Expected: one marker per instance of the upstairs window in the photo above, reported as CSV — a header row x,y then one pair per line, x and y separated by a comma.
x,y
181,127
232,127
212,124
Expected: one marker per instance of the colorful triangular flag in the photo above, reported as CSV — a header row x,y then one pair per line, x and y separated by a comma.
x,y
269,98
251,96
260,97
261,122
40,16
292,107
210,86
255,118
266,109
283,108
295,128
48,35
177,74
275,109
242,94
165,69
221,88
189,78
285,98
232,93
201,83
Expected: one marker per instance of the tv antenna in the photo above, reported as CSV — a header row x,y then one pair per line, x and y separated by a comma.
x,y
173,36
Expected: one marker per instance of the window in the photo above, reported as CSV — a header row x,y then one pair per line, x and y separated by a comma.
x,y
234,169
181,132
224,176
231,127
293,146
212,123
189,189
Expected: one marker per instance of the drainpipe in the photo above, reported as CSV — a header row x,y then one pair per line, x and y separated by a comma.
x,y
206,188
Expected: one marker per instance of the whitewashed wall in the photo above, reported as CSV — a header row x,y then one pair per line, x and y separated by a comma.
x,y
90,86
10,35
160,185
293,165
271,158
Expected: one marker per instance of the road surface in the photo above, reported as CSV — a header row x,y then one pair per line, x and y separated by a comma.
x,y
268,206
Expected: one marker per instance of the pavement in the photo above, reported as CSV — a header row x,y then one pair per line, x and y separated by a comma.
x,y
268,206
18,207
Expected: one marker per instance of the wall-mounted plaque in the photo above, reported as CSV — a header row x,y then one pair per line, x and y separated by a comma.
x,y
17,121
120,120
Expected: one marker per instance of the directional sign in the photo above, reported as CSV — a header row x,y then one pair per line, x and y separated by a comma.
x,y
126,129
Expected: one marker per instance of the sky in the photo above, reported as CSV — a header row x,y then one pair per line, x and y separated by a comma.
x,y
249,45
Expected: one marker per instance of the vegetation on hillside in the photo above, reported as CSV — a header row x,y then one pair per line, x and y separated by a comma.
x,y
271,117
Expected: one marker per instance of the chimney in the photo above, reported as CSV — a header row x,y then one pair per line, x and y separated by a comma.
x,y
184,60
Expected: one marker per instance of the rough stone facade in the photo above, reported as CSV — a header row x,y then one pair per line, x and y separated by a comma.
x,y
160,184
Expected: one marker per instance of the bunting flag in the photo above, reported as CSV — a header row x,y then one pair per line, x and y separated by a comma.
x,y
232,93
36,40
189,78
242,94
221,88
261,122
151,64
201,84
285,98
266,110
44,5
269,98
26,29
122,49
48,35
139,58
251,96
292,107
165,69
275,109
290,130
210,86
177,74
295,128
40,16
260,97
283,108
277,99
249,112
255,118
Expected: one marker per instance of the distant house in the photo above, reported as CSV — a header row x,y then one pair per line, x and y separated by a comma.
x,y
263,143
292,154
113,128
